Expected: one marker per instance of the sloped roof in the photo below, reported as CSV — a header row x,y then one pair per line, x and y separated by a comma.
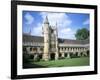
x,y
30,38
69,41
40,39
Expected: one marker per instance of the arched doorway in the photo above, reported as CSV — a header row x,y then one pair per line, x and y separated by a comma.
x,y
76,55
52,56
71,54
81,54
59,55
40,56
65,54
88,52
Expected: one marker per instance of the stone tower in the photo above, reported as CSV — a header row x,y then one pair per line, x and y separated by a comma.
x,y
50,41
46,33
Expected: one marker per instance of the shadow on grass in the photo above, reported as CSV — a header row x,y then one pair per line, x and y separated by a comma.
x,y
28,65
57,63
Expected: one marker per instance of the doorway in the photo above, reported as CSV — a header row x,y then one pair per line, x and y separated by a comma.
x,y
52,56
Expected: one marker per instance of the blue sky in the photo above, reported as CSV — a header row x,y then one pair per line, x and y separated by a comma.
x,y
67,23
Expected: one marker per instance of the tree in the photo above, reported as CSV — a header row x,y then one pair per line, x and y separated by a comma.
x,y
82,34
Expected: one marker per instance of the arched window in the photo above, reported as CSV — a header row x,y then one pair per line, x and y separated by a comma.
x,y
34,49
30,48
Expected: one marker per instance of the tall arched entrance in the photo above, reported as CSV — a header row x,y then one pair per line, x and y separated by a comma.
x,y
52,56
65,54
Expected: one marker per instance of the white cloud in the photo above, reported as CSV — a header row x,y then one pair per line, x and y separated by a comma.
x,y
66,33
61,18
37,30
29,18
66,30
63,24
86,22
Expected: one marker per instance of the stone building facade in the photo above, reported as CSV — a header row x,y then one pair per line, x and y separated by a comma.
x,y
51,47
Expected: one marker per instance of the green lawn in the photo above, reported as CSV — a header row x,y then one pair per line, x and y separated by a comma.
x,y
83,61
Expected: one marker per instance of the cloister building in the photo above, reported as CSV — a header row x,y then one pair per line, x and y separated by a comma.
x,y
51,47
